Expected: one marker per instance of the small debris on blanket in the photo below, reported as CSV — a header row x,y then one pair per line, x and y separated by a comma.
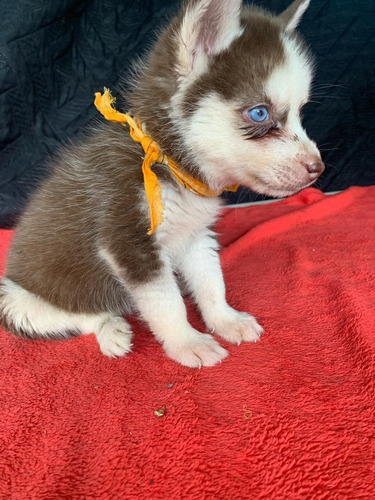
x,y
161,412
170,385
247,414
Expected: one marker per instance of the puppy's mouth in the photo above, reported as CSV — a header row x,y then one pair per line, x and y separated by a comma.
x,y
277,189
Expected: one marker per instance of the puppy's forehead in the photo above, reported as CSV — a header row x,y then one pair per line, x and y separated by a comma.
x,y
288,85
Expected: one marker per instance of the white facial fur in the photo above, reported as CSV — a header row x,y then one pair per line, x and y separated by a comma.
x,y
289,84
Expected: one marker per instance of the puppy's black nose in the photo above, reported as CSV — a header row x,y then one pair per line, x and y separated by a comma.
x,y
315,167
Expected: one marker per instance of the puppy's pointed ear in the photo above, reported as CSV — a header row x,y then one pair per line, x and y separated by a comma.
x,y
291,17
207,28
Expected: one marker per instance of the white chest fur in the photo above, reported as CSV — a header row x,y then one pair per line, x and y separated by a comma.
x,y
186,217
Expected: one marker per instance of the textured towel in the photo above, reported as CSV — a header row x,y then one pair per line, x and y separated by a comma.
x,y
290,417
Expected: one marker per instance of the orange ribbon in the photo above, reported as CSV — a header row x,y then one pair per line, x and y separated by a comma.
x,y
153,154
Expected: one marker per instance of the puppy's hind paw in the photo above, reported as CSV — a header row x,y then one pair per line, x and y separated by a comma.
x,y
115,337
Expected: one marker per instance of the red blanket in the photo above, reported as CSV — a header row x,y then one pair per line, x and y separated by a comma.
x,y
291,417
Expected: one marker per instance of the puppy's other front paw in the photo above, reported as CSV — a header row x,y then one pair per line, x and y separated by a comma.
x,y
236,327
196,351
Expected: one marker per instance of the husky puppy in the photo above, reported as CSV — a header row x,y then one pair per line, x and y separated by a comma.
x,y
221,93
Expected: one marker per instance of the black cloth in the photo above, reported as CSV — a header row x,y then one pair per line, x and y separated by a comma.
x,y
55,55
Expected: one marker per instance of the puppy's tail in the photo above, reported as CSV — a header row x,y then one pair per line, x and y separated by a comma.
x,y
29,316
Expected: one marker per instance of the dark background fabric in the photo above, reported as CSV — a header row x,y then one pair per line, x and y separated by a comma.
x,y
55,55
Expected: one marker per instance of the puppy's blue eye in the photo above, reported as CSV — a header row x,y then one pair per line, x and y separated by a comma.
x,y
259,114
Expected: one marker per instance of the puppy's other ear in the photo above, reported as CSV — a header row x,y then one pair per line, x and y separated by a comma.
x,y
207,28
291,17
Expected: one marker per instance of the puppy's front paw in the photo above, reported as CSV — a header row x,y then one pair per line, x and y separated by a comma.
x,y
196,351
236,327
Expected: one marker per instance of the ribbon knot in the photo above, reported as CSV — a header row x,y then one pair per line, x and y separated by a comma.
x,y
104,103
146,142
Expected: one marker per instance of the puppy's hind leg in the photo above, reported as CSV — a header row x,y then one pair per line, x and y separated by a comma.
x,y
29,316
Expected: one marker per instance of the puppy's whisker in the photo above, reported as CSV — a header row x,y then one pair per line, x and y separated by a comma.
x,y
324,96
324,150
326,86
